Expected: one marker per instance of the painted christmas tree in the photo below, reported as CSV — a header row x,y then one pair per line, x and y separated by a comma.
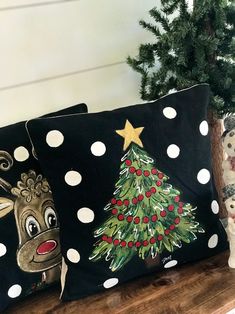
x,y
147,215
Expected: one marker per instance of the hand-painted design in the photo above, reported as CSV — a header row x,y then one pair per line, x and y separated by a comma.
x,y
147,215
6,162
37,225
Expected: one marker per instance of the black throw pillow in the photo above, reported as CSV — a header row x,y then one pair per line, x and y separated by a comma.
x,y
133,188
30,254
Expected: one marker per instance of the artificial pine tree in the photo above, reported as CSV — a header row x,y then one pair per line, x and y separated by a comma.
x,y
146,214
190,48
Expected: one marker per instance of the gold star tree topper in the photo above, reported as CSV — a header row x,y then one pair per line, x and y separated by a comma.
x,y
130,134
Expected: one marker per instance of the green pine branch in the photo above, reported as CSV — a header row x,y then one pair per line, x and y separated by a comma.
x,y
191,48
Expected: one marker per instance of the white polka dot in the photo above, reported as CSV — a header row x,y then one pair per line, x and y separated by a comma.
x,y
204,128
203,176
73,178
169,112
213,241
54,138
21,153
14,291
173,151
85,215
110,283
73,256
3,249
215,207
171,264
98,149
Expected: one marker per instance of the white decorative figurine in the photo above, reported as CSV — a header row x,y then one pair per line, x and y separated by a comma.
x,y
228,139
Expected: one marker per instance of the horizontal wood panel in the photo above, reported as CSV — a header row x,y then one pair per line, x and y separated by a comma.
x,y
51,40
101,89
9,4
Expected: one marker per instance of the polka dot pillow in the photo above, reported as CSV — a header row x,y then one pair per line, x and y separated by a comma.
x,y
133,188
30,255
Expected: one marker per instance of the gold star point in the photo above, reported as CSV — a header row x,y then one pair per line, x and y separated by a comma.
x,y
130,134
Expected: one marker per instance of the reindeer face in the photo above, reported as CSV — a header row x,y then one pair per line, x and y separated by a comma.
x,y
37,224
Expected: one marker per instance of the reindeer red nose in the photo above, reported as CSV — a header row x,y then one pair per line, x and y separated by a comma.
x,y
46,247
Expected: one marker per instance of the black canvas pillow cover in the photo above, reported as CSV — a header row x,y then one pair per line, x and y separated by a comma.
x,y
28,221
133,188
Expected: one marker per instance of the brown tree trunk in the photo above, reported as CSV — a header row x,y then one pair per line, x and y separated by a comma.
x,y
217,152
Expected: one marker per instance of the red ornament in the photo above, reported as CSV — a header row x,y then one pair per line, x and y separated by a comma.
x,y
130,243
172,227
146,173
171,208
160,237
160,175
139,172
113,201
114,211
120,217
119,203
128,162
137,220
129,218
177,220
134,200
145,219
181,204
180,210
140,197
153,190
154,171
148,194
116,242
163,213
104,237
123,243
138,244
145,243
132,169
154,218
109,240
126,202
167,231
152,240
177,199
158,183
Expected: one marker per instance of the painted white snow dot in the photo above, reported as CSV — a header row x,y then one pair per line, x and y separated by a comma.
x,y
173,151
204,128
73,178
171,264
213,241
54,138
85,215
21,153
3,249
73,256
203,176
98,149
215,207
169,112
110,283
14,291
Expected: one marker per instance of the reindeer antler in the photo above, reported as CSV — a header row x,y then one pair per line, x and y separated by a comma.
x,y
6,162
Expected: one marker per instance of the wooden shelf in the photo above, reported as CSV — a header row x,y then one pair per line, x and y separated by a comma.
x,y
205,287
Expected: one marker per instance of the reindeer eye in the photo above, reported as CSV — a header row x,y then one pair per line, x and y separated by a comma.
x,y
32,226
50,217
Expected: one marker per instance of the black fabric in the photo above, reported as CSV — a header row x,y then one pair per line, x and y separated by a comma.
x,y
86,181
16,280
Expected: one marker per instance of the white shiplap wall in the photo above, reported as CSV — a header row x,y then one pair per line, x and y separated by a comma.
x,y
55,53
